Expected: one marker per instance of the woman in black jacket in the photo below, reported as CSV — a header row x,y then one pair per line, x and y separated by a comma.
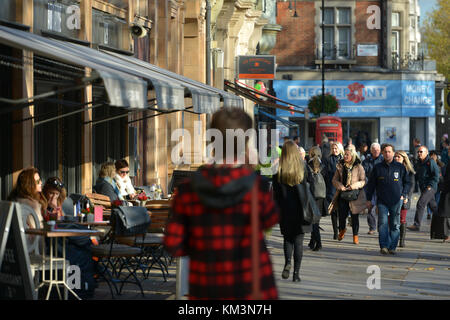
x,y
291,195
402,157
337,154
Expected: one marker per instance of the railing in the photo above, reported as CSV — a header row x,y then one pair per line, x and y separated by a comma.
x,y
410,62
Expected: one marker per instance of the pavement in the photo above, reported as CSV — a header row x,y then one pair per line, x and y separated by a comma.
x,y
339,271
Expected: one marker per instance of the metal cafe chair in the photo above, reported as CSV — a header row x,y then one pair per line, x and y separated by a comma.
x,y
114,256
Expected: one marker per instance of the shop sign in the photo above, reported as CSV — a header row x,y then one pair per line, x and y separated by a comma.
x,y
256,67
367,50
364,98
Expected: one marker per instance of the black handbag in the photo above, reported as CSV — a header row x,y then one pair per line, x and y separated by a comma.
x,y
129,221
350,195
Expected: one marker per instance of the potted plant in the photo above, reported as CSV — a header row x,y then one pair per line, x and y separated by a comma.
x,y
331,104
89,214
142,197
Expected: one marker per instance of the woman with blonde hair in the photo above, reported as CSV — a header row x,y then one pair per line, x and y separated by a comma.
x,y
106,184
349,180
330,162
290,193
402,157
318,188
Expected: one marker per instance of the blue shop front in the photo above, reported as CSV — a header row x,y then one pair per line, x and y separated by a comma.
x,y
385,111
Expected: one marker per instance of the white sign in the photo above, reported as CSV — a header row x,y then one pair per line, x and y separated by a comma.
x,y
367,50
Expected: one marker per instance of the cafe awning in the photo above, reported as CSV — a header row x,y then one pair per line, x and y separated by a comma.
x,y
205,98
125,78
123,90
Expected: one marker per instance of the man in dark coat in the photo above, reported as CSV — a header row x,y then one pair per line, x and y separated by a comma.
x,y
427,176
444,210
391,182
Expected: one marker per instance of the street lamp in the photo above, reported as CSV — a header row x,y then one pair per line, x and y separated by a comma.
x,y
323,55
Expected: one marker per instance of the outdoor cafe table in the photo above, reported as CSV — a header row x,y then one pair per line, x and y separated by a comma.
x,y
53,258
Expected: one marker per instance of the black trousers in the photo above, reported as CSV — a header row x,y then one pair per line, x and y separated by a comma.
x,y
294,244
343,212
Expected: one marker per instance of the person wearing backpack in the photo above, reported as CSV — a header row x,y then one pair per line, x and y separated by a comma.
x,y
319,190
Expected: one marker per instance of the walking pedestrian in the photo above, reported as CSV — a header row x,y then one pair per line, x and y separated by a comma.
x,y
211,221
336,154
441,166
375,157
291,195
318,189
391,182
349,180
402,157
440,226
427,176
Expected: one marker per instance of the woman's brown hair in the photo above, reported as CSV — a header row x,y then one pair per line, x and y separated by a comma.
x,y
26,187
122,163
56,184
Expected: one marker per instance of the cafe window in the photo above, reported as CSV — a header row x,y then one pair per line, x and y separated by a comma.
x,y
337,30
6,136
109,138
56,16
108,30
57,143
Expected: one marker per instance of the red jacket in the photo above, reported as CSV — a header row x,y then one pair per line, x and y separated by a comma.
x,y
210,223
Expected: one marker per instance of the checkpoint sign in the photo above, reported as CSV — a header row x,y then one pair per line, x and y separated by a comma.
x,y
256,67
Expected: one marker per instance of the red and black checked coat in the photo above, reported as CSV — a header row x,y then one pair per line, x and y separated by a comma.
x,y
218,240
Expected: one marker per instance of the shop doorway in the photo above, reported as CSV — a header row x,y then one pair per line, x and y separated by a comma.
x,y
417,129
361,131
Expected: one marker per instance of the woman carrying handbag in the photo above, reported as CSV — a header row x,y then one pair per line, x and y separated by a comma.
x,y
292,194
349,180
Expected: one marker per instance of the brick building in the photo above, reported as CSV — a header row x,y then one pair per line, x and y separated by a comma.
x,y
371,45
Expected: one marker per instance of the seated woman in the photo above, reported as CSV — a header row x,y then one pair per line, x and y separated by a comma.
x,y
106,184
55,193
123,179
28,190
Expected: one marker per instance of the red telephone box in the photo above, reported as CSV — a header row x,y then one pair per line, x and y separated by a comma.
x,y
329,126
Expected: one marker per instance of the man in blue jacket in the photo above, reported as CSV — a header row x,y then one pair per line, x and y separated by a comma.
x,y
427,176
391,182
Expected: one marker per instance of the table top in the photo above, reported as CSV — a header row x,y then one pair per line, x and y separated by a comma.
x,y
94,223
63,232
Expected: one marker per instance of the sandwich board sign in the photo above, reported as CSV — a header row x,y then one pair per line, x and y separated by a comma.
x,y
16,281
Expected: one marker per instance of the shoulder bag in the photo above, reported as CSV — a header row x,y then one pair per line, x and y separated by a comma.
x,y
350,195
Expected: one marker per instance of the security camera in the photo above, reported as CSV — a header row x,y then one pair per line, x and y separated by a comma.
x,y
137,30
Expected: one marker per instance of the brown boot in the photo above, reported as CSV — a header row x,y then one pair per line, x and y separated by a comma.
x,y
341,234
355,240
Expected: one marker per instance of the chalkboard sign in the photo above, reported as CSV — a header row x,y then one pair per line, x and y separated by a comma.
x,y
179,176
16,281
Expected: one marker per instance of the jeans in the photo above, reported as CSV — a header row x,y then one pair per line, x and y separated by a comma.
x,y
372,215
343,211
389,226
294,244
426,197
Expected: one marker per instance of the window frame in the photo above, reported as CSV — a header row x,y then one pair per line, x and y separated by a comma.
x,y
337,26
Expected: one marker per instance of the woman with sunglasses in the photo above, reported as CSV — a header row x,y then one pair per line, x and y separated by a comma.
x,y
28,190
123,179
55,193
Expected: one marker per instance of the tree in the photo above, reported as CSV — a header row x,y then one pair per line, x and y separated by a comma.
x,y
436,35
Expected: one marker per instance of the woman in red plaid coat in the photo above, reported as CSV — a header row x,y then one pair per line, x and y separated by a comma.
x,y
210,223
